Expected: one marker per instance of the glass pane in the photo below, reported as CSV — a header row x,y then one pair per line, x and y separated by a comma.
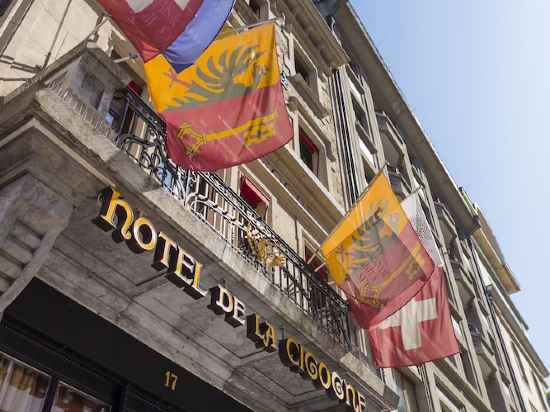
x,y
22,389
68,399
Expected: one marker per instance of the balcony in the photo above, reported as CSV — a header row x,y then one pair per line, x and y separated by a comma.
x,y
232,219
55,128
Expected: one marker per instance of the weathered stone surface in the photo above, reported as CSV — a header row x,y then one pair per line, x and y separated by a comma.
x,y
31,218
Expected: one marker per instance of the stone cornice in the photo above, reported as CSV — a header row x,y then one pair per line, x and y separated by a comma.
x,y
313,30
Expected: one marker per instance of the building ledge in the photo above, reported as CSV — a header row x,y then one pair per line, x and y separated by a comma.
x,y
504,274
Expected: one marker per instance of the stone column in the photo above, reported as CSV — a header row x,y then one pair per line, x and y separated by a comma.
x,y
31,218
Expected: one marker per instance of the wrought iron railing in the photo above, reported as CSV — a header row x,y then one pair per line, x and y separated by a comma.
x,y
141,134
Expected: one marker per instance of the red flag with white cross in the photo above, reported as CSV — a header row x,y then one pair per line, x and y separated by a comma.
x,y
420,332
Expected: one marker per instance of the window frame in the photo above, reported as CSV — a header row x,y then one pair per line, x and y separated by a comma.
x,y
306,142
302,60
261,197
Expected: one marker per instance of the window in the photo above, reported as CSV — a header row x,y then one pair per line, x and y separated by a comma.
x,y
21,387
457,328
309,153
68,399
370,174
468,368
360,115
485,273
537,383
315,264
92,90
304,68
405,388
256,7
24,389
520,364
448,404
254,197
356,69
4,5
318,298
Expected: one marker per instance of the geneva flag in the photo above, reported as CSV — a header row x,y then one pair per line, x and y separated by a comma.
x,y
226,109
376,257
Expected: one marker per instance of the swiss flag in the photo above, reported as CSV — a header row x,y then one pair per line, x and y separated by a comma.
x,y
420,332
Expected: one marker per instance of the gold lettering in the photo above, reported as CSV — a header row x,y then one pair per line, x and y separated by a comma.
x,y
324,376
189,271
171,380
350,400
261,333
221,300
185,272
289,352
338,386
163,252
361,403
144,236
270,340
113,205
236,318
195,290
311,366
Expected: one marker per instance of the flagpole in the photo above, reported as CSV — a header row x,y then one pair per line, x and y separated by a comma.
x,y
104,19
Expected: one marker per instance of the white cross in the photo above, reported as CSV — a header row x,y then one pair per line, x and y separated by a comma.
x,y
139,5
409,318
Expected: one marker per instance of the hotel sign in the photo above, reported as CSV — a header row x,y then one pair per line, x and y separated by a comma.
x,y
184,272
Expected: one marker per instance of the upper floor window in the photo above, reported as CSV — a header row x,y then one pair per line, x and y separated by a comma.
x,y
448,403
305,69
256,7
520,364
254,197
370,173
360,114
405,388
315,264
537,383
469,371
309,153
4,5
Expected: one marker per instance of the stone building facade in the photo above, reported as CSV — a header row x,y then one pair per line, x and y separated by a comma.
x,y
92,323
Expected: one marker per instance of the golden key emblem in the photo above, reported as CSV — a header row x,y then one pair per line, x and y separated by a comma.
x,y
252,132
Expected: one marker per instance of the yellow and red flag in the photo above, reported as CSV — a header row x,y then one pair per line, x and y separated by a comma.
x,y
226,109
376,257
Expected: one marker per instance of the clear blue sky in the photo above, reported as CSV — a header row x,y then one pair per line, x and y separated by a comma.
x,y
477,75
